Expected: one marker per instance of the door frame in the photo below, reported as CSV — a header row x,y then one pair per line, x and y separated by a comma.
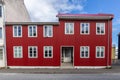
x,y
61,54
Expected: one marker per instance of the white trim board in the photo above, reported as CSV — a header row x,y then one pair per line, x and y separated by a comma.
x,y
32,67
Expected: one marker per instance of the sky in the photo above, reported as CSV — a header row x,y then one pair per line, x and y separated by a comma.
x,y
46,10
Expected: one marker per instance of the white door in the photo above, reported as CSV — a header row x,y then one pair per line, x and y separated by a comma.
x,y
67,55
1,58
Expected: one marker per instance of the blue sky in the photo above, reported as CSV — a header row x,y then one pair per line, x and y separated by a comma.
x,y
46,10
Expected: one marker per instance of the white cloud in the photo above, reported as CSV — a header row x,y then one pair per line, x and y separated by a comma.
x,y
46,10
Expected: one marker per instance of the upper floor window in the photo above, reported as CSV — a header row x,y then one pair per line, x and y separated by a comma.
x,y
69,28
84,52
48,31
48,51
0,33
100,28
17,31
32,31
32,52
0,11
84,28
100,51
18,52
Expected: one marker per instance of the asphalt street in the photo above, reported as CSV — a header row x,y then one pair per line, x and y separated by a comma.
x,y
21,76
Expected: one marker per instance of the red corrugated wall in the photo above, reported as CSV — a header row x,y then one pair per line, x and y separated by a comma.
x,y
60,39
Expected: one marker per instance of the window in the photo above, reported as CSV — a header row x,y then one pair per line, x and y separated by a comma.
x,y
84,28
32,31
0,33
84,52
48,51
1,53
17,31
100,28
100,51
48,31
18,52
32,52
0,11
69,28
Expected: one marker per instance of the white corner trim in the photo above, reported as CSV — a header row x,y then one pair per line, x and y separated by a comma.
x,y
32,67
90,67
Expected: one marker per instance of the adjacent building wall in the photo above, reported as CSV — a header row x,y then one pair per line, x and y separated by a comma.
x,y
15,11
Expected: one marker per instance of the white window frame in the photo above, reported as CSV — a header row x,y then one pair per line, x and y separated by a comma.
x,y
100,28
18,51
48,50
1,33
84,52
32,30
50,27
17,30
100,52
32,51
85,29
69,28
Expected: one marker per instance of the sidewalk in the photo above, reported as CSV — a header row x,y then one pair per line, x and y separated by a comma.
x,y
115,69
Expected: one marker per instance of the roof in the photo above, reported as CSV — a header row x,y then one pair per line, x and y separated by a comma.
x,y
86,16
32,23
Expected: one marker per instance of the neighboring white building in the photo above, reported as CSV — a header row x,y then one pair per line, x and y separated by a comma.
x,y
2,37
10,11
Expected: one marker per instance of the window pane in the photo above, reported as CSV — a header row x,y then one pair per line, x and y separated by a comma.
x,y
46,55
1,54
30,31
0,32
67,29
102,29
46,30
34,31
19,31
50,31
15,31
71,27
0,11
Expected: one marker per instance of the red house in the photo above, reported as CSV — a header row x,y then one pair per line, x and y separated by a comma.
x,y
76,41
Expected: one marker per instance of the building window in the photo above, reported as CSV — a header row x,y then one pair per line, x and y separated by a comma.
x,y
100,52
48,31
18,52
84,28
32,52
100,28
0,33
84,52
32,31
69,28
17,31
48,51
1,53
0,11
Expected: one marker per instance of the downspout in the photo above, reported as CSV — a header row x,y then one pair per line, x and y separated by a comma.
x,y
109,34
5,52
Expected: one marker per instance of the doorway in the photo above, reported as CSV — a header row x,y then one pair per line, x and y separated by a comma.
x,y
67,56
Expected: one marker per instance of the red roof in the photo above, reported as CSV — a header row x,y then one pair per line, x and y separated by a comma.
x,y
86,15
